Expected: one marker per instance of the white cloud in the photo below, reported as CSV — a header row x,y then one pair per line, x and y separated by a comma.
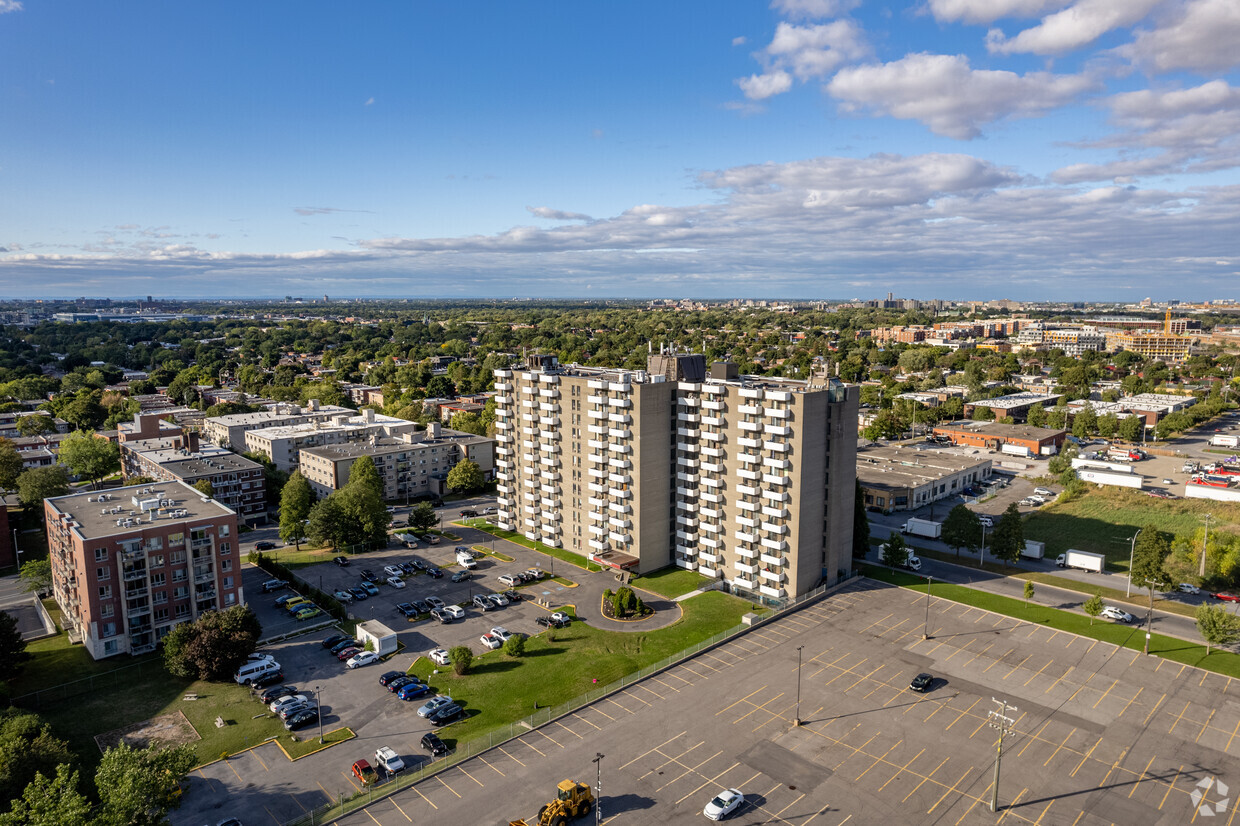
x,y
323,210
369,101
7,6
1076,26
557,214
805,52
1203,38
988,11
761,87
740,41
806,9
952,99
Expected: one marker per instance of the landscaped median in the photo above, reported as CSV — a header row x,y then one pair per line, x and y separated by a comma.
x,y
1170,648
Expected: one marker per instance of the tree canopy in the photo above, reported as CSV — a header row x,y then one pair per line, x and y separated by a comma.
x,y
296,500
40,483
213,647
465,477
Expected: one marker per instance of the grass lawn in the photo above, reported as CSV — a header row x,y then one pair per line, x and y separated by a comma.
x,y
307,741
563,664
671,582
559,553
1170,648
1104,520
293,558
485,551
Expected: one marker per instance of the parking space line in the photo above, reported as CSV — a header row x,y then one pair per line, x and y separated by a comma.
x,y
228,762
665,685
878,760
924,779
689,769
1133,700
528,744
789,806
667,758
980,653
903,768
949,791
587,722
1033,738
366,810
254,752
963,713
1170,787
876,622
1146,721
1044,811
569,730
1205,725
969,810
628,693
707,782
738,702
492,766
1114,766
1067,737
470,776
755,708
446,786
604,713
998,660
1061,679
1141,779
656,748
1088,754
424,797
399,809
776,715
505,751
1227,749
622,708
1105,693
1009,807
1178,718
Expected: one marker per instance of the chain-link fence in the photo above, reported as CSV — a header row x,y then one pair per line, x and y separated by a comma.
x,y
471,748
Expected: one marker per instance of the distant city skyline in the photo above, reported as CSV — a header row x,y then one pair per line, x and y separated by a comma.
x,y
1032,150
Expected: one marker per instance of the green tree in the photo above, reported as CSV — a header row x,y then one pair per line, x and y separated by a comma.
x,y
368,517
983,414
1108,424
205,487
36,575
296,500
50,801
13,654
1092,607
364,472
465,476
422,517
962,530
89,457
861,524
1036,416
329,524
84,412
895,551
514,646
1009,536
1084,423
1130,428
1029,589
461,658
887,424
467,422
1148,555
1216,626
40,483
36,425
215,646
138,787
27,747
10,465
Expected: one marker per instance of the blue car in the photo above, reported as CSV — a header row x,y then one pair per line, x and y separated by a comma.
x,y
412,691
369,587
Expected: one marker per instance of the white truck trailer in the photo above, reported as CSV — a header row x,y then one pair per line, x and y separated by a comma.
x,y
923,528
1082,560
1033,549
1225,440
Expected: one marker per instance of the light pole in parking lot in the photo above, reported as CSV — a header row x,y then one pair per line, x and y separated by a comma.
x,y
796,721
598,789
925,631
318,704
1003,723
1149,615
1132,550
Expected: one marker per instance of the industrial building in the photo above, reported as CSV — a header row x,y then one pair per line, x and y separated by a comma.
x,y
1033,441
903,477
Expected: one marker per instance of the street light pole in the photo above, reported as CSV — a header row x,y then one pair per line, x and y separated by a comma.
x,y
981,560
1003,723
598,789
1132,550
1205,545
797,720
925,631
318,704
1149,616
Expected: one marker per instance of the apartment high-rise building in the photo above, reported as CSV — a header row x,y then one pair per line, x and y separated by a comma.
x,y
748,479
129,564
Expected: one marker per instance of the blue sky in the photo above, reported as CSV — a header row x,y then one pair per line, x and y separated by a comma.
x,y
1027,149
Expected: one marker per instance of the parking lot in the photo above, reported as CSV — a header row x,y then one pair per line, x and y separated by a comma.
x,y
1099,734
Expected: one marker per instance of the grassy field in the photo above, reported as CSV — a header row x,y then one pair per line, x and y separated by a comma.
x,y
671,582
1170,648
563,664
1104,520
512,536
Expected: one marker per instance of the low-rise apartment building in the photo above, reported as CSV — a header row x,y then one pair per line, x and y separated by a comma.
x,y
283,445
229,431
131,563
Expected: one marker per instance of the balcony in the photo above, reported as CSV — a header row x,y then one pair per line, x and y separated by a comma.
x,y
774,576
620,507
775,545
713,421
746,536
749,427
619,448
620,493
686,536
771,527
777,464
620,524
687,564
619,433
711,513
687,433
622,403
769,559
597,429
596,414
686,523
712,404
597,444
774,593
746,553
691,418
777,430
687,478
708,558
748,458
778,413
781,513
137,611
748,583
749,410
711,497
778,447
745,569
201,578
707,542
711,436
689,401
620,418
622,464
712,452
773,479
776,495
133,574
706,570
751,475
620,478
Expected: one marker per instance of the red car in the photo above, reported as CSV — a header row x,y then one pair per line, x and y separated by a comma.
x,y
348,652
1226,597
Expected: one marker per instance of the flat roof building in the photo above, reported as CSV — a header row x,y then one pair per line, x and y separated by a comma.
x,y
1038,441
899,477
1016,405
283,444
131,563
229,431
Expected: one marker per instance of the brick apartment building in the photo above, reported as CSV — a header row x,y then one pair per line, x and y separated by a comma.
x,y
1040,441
131,563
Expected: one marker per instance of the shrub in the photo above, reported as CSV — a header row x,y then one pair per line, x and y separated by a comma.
x,y
462,658
514,646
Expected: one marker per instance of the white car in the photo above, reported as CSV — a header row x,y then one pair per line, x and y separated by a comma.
x,y
363,658
498,600
501,632
392,570
343,596
454,611
1044,491
290,700
723,804
490,641
435,603
510,580
440,656
560,616
1117,614
467,562
1187,588
389,759
395,582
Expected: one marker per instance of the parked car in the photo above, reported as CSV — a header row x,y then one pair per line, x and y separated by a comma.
x,y
429,538
347,642
490,641
272,694
434,704
348,653
417,564
1187,588
434,573
359,594
1044,491
388,760
498,600
435,603
490,510
283,601
510,580
468,513
365,773
392,570
407,568
1117,614
343,562
395,582
293,604
921,682
264,680
532,575
1225,597
413,690
369,575
286,701
448,714
369,588
723,804
387,676
432,743
273,585
362,658
461,576
407,609
334,639
400,682
302,718
482,603
306,612
561,617
420,606
439,656
549,622
296,708
512,596
454,611
343,597
501,632
441,615
264,545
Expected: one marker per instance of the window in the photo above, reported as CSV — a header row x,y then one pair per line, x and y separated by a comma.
x,y
182,611
178,575
224,530
105,592
161,614
160,598
103,574
228,582
155,543
101,554
176,558
225,548
158,580
156,561
180,593
109,629
230,598
107,610
176,539
109,647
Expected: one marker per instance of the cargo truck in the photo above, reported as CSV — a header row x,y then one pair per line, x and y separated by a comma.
x,y
1225,440
1082,560
923,528
1033,550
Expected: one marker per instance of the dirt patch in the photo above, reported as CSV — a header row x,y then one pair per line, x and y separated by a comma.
x,y
165,730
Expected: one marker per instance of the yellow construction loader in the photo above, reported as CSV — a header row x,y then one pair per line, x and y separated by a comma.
x,y
572,800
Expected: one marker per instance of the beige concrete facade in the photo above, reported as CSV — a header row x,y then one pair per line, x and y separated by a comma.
x,y
746,479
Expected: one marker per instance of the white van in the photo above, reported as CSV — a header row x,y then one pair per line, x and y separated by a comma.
x,y
255,669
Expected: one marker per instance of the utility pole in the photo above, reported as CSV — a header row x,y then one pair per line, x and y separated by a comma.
x,y
981,559
925,631
1000,721
598,789
1205,545
318,705
796,721
1132,550
1149,616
